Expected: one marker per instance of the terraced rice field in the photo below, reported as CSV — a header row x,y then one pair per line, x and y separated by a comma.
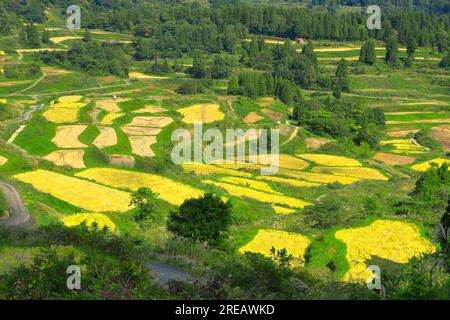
x,y
276,199
206,170
318,177
110,118
424,166
141,76
67,137
83,194
404,146
90,219
70,158
65,110
391,240
169,190
394,160
294,243
3,160
329,160
106,138
202,113
354,172
110,105
257,185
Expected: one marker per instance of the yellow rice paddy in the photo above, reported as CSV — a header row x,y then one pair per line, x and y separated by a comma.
x,y
204,113
83,194
424,166
357,172
109,118
294,243
207,169
292,182
170,191
238,191
257,185
90,218
391,240
318,177
329,160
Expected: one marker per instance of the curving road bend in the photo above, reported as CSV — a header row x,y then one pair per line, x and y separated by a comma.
x,y
19,215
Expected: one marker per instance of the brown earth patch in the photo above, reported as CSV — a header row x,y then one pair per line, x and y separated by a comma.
x,y
71,158
67,137
119,160
110,105
252,117
272,114
53,71
442,134
107,138
316,143
150,109
13,83
140,131
155,122
141,145
394,160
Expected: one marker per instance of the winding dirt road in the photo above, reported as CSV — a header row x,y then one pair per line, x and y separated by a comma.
x,y
18,213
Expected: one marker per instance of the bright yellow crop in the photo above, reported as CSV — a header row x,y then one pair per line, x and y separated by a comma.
x,y
66,110
90,218
109,118
282,210
332,161
362,173
69,99
238,191
422,167
294,243
207,169
391,240
292,182
317,177
261,186
83,194
204,113
171,191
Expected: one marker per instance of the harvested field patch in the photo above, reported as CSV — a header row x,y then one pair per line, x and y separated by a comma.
x,y
207,169
442,134
14,83
252,117
204,113
62,39
109,118
3,160
354,172
401,133
140,131
150,109
107,138
432,103
394,160
257,185
243,192
272,114
169,190
83,194
54,72
294,243
141,145
69,99
70,158
317,177
110,105
316,143
100,220
424,166
120,160
292,182
329,160
138,75
154,122
391,240
67,137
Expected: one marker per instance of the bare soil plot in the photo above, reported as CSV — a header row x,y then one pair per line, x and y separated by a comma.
x,y
272,114
252,117
401,133
140,131
110,105
154,122
442,134
67,137
123,161
138,75
434,102
3,160
107,138
62,39
54,71
150,109
394,160
71,158
316,143
141,145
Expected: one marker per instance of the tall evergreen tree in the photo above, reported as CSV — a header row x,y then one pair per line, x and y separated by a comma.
x,y
392,49
342,77
32,36
233,85
368,54
445,62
